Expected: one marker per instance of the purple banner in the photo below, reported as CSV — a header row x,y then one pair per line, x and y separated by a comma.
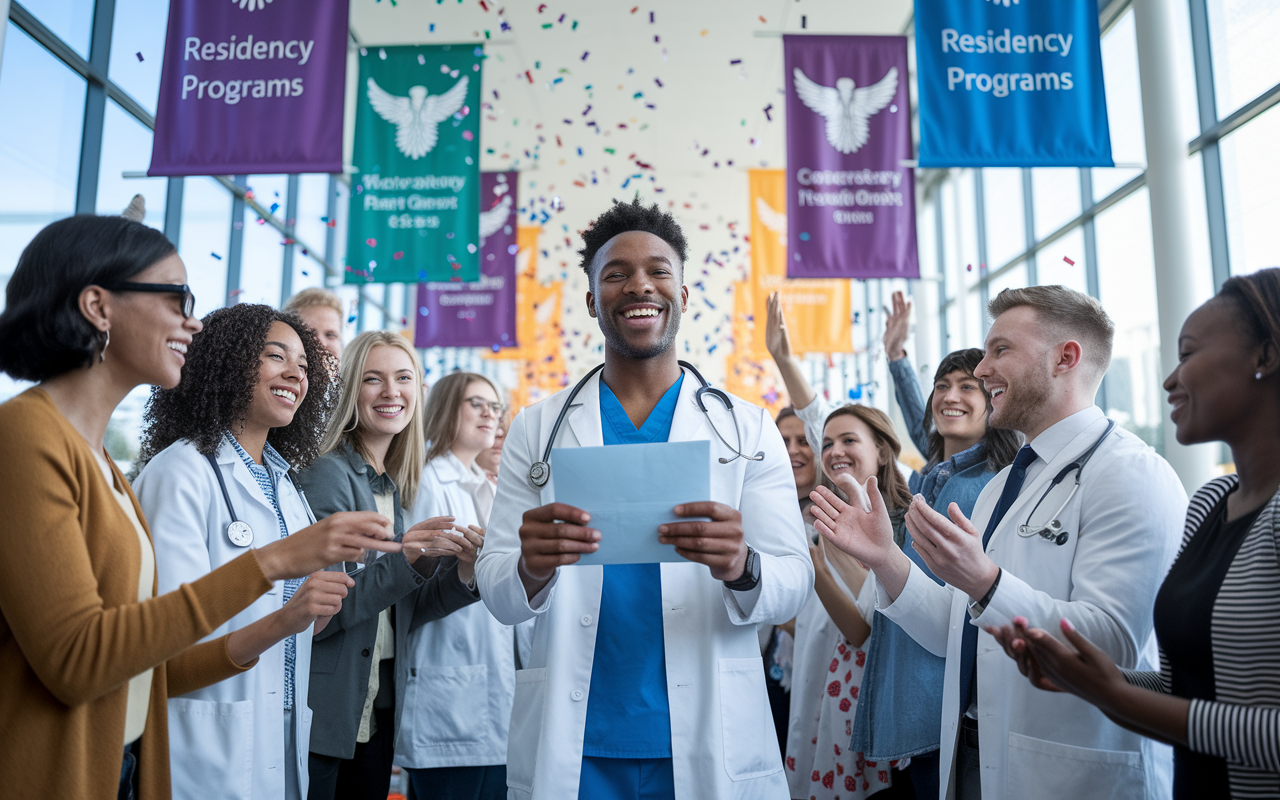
x,y
483,313
850,202
251,86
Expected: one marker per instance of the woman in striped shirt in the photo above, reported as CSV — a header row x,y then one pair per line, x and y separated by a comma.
x,y
1216,698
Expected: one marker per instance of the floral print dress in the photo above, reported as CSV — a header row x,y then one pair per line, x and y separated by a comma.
x,y
838,772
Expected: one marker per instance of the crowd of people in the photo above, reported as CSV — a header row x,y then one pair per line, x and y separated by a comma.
x,y
319,571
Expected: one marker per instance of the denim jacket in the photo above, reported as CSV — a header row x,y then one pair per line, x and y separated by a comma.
x,y
900,700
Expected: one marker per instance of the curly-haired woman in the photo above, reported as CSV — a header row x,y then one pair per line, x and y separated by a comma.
x,y
216,456
373,456
88,652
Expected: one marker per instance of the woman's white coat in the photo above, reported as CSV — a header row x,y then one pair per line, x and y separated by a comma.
x,y
226,740
462,672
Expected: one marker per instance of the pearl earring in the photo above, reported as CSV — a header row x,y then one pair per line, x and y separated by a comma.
x,y
1257,376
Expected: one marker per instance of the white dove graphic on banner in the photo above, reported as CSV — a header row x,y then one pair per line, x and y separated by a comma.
x,y
773,219
491,221
251,5
846,108
417,115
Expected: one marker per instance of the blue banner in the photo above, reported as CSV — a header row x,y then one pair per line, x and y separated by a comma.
x,y
1011,83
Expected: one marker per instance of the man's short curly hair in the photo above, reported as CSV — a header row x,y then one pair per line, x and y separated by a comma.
x,y
218,381
633,216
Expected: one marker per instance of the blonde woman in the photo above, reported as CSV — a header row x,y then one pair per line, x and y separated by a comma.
x,y
462,678
372,456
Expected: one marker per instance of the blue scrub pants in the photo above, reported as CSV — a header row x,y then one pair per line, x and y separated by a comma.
x,y
626,779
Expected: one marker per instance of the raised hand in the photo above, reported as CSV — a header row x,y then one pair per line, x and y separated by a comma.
x,y
776,338
343,536
718,543
552,536
897,327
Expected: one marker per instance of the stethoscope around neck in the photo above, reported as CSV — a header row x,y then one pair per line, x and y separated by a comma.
x,y
239,533
540,471
1052,531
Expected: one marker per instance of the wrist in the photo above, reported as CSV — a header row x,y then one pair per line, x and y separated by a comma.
x,y
269,561
895,354
981,595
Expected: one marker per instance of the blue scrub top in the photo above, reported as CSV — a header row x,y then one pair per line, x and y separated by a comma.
x,y
628,715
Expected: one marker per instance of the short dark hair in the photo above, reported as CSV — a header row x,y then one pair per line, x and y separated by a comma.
x,y
1002,444
217,386
43,331
633,216
1258,297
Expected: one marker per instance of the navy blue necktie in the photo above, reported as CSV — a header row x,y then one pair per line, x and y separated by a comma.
x,y
969,641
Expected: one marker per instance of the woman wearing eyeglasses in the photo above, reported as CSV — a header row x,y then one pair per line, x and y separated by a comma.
x,y
89,654
453,738
373,455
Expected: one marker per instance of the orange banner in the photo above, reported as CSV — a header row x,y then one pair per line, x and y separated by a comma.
x,y
540,366
818,311
749,374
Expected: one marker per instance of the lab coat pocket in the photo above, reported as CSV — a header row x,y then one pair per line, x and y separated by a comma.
x,y
526,729
211,745
1072,771
747,735
450,705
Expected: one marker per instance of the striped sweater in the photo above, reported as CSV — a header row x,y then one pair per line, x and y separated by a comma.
x,y
1243,724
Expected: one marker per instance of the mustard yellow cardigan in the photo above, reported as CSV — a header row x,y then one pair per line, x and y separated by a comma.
x,y
72,631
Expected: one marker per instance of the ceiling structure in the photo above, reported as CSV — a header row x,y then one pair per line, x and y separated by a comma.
x,y
593,101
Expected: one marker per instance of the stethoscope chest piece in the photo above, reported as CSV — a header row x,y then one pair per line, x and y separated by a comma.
x,y
239,533
539,473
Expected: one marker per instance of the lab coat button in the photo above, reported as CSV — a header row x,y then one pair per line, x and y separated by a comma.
x,y
576,694
586,620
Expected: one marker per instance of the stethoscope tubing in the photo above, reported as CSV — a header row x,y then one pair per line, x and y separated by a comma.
x,y
1052,532
540,471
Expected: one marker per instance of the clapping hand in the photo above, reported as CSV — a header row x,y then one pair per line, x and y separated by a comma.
x,y
951,547
860,528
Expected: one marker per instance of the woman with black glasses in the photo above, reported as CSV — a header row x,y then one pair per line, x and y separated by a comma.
x,y
88,652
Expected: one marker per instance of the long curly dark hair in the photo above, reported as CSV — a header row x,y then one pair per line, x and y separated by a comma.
x,y
217,387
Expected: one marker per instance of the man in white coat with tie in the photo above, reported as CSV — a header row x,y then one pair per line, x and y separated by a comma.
x,y
1082,527
645,680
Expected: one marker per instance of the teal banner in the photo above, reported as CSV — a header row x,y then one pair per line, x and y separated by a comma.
x,y
415,194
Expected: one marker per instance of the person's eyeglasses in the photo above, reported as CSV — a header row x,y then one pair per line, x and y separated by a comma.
x,y
480,404
188,299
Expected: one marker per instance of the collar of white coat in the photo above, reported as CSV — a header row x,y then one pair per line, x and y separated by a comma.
x,y
450,469
1054,438
230,449
688,424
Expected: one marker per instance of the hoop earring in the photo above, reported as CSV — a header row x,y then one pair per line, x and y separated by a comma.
x,y
102,354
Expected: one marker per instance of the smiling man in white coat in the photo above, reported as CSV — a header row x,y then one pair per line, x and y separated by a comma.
x,y
1047,542
645,680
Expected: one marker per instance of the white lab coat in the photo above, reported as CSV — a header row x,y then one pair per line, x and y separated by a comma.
x,y
722,737
1125,523
226,740
462,672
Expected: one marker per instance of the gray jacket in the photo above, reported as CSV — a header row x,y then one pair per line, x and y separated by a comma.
x,y
341,653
